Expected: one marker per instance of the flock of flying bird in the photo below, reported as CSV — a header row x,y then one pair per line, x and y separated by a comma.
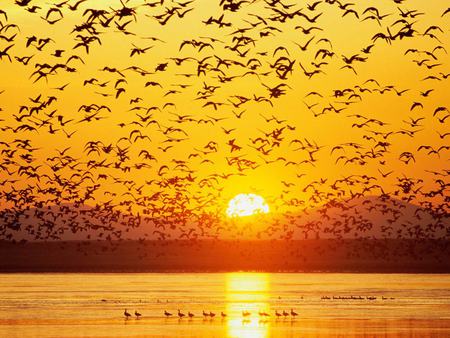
x,y
137,116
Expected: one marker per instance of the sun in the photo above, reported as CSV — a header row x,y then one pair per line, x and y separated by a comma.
x,y
246,205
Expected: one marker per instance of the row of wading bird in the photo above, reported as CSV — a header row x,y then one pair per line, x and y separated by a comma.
x,y
245,314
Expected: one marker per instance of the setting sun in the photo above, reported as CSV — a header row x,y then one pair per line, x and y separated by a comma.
x,y
247,205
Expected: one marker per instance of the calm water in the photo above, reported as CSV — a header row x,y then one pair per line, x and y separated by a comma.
x,y
92,305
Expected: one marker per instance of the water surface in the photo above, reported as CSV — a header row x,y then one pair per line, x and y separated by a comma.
x,y
92,305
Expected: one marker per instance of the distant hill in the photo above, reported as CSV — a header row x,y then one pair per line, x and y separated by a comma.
x,y
368,217
372,217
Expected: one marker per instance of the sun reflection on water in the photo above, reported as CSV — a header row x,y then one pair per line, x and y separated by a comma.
x,y
248,292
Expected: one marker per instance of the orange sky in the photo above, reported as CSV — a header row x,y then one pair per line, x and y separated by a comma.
x,y
285,178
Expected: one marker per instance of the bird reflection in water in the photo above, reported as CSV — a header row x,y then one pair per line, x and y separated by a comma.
x,y
247,293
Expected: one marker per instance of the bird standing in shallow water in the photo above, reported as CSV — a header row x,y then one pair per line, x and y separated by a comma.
x,y
246,314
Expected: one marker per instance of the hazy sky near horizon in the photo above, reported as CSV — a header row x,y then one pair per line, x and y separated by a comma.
x,y
192,133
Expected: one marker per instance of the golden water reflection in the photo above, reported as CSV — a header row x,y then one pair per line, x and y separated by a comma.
x,y
247,292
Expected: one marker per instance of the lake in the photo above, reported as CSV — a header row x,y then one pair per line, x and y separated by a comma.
x,y
328,305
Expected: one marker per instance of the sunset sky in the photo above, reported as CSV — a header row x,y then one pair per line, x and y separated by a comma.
x,y
187,126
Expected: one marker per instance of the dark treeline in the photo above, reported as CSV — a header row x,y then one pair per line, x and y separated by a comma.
x,y
369,255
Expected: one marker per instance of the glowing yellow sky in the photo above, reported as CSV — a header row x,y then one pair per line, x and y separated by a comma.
x,y
387,63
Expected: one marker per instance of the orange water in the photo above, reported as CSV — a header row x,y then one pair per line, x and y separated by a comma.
x,y
92,305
